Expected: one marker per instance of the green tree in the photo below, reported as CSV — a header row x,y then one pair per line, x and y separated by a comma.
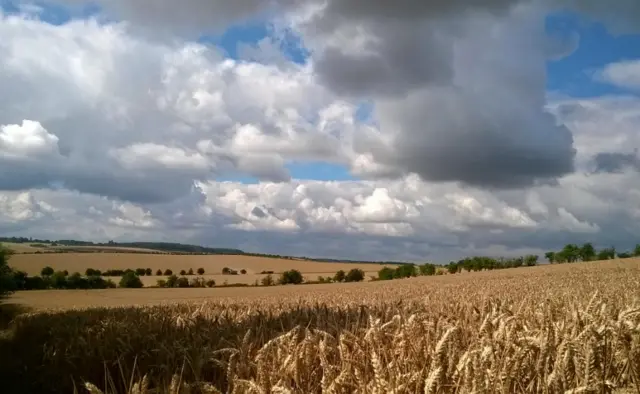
x,y
20,280
172,281
428,269
607,254
183,282
339,276
7,282
355,275
148,272
200,271
453,267
636,250
571,253
551,256
531,260
190,272
159,273
131,281
405,271
293,277
168,272
92,272
587,252
386,273
47,271
76,281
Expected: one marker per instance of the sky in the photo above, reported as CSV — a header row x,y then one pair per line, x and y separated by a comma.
x,y
362,129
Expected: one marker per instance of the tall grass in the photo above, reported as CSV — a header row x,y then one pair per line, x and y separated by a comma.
x,y
542,330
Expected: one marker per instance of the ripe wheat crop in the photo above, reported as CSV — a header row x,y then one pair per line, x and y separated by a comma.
x,y
559,329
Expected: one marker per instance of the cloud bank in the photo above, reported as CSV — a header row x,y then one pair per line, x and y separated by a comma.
x,y
127,127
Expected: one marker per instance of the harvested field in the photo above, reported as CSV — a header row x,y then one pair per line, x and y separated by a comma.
x,y
213,264
23,248
547,329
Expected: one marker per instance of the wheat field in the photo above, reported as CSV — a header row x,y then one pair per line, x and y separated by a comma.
x,y
553,329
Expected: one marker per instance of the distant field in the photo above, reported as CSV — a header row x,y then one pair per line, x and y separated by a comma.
x,y
212,264
23,248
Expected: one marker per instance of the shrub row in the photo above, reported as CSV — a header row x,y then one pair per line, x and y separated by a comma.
x,y
184,282
59,280
137,271
229,271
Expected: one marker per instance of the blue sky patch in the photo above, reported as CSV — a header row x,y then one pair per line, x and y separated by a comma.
x,y
574,75
319,171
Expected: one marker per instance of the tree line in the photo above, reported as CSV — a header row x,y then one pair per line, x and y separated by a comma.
x,y
572,253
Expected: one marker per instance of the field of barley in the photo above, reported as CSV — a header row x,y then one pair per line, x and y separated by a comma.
x,y
212,264
547,329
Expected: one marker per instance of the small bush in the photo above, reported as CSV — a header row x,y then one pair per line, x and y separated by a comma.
x,y
47,271
183,282
58,280
404,271
168,272
161,283
148,272
113,273
243,271
35,283
293,277
172,281
141,271
200,271
97,282
159,273
190,272
339,276
385,273
267,280
229,271
210,283
427,269
76,281
131,281
183,272
197,282
355,275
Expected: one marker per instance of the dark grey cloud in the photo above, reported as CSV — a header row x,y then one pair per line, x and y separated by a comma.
x,y
488,126
404,57
615,162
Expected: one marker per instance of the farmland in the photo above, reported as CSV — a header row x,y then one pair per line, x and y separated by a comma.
x,y
545,329
212,264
